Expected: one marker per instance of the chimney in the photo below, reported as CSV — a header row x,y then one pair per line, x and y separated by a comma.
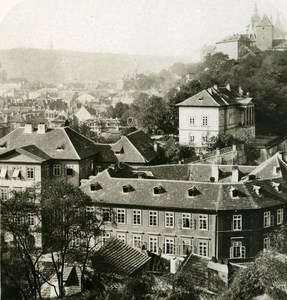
x,y
28,128
228,87
215,172
240,91
41,128
247,94
235,174
215,87
155,147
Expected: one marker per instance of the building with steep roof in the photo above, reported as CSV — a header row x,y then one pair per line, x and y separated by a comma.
x,y
227,212
136,148
213,111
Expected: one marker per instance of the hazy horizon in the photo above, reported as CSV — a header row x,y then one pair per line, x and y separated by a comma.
x,y
178,28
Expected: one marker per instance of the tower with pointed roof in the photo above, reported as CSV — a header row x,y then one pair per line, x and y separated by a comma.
x,y
264,34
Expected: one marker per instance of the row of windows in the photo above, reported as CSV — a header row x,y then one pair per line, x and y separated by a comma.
x,y
204,121
57,170
188,221
17,173
169,245
268,219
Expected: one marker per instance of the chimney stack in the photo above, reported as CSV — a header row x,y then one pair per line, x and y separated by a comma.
x,y
155,147
41,128
28,128
235,174
215,172
240,90
228,87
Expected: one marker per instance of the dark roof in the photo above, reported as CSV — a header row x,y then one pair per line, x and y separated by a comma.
x,y
58,143
210,196
117,257
136,147
213,97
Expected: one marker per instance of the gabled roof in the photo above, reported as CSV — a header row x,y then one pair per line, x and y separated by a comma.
x,y
264,22
58,143
117,257
213,97
136,147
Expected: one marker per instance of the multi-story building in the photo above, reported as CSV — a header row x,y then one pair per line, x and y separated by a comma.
x,y
213,111
224,212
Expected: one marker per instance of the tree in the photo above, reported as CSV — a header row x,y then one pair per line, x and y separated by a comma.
x,y
69,229
20,220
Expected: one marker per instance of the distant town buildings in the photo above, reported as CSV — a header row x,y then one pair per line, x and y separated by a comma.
x,y
261,34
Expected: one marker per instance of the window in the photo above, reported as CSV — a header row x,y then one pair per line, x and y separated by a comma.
x,y
121,236
237,250
153,244
107,215
3,173
121,216
153,217
169,219
186,220
16,173
280,216
47,171
76,241
204,139
204,121
203,223
267,219
137,217
186,246
191,121
137,241
191,138
266,243
4,193
31,219
57,170
127,188
158,190
192,192
106,236
69,171
30,173
203,248
237,222
169,245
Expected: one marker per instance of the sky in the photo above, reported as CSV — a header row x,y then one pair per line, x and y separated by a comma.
x,y
150,27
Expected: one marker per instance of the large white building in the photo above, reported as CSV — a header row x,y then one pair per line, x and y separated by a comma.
x,y
215,111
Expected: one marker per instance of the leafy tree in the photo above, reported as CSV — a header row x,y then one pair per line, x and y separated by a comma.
x,y
20,220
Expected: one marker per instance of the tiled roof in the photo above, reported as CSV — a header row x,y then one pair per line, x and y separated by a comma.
x,y
136,147
210,196
58,143
117,257
234,38
281,45
213,97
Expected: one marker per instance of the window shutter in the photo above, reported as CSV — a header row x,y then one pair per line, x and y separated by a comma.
x,y
243,251
194,224
163,248
231,252
180,223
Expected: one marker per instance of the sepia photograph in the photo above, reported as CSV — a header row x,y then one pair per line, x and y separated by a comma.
x,y
143,149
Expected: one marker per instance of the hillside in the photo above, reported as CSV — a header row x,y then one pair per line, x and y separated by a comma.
x,y
64,66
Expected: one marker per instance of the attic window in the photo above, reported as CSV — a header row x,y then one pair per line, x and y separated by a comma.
x,y
127,188
200,98
277,186
257,189
60,148
212,179
3,146
158,190
276,170
233,192
95,186
192,192
120,151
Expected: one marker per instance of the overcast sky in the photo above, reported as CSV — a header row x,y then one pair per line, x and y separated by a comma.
x,y
155,27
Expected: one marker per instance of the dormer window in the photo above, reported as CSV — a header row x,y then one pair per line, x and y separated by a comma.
x,y
127,188
257,189
276,170
60,148
277,186
158,190
234,193
95,186
192,192
3,146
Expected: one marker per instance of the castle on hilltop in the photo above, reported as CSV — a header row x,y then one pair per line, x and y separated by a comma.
x,y
261,34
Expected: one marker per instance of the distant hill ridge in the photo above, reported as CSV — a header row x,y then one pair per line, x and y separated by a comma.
x,y
66,66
